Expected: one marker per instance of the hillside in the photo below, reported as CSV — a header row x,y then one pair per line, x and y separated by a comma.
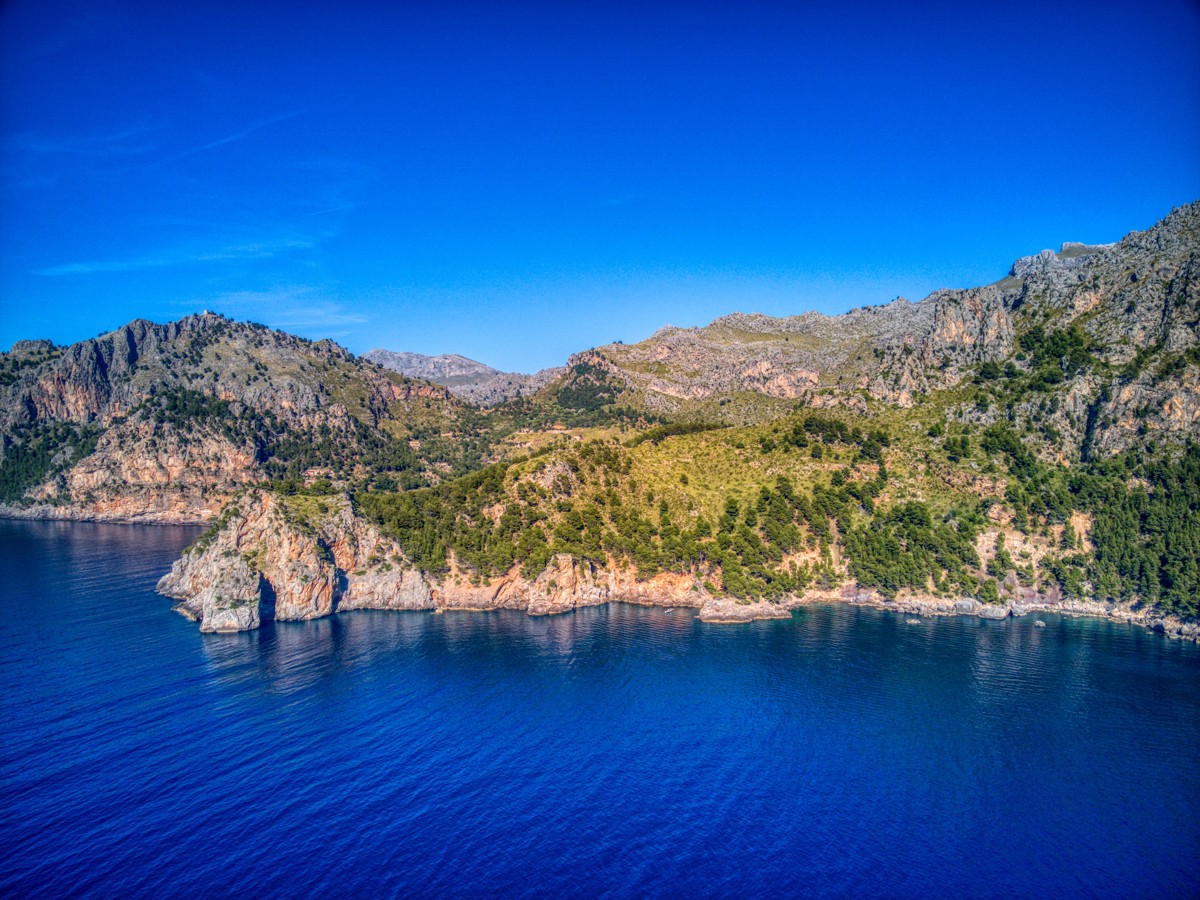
x,y
162,422
1002,449
1091,348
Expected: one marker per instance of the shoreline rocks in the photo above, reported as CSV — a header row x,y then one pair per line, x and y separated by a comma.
x,y
279,558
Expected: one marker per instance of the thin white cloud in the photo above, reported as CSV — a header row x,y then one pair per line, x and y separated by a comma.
x,y
233,138
100,266
254,250
332,209
130,141
300,307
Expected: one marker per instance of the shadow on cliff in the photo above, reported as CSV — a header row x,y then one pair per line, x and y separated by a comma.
x,y
266,601
341,584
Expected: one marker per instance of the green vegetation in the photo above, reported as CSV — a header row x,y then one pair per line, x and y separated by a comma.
x,y
654,503
587,387
587,504
659,433
1146,522
37,452
1146,532
1056,356
286,451
905,547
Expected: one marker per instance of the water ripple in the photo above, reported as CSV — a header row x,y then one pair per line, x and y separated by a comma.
x,y
617,751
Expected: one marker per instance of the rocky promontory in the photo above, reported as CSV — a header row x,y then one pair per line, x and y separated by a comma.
x,y
286,558
271,557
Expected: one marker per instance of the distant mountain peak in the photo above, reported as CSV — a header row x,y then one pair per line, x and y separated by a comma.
x,y
449,369
466,378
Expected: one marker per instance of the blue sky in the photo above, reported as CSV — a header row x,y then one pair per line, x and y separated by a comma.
x,y
516,182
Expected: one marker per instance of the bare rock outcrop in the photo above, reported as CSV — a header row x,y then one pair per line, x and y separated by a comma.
x,y
162,423
310,556
466,378
272,557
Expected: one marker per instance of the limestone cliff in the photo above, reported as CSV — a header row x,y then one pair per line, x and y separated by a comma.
x,y
276,557
164,422
271,557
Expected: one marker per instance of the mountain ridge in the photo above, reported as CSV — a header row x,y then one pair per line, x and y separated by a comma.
x,y
1022,445
446,368
1133,303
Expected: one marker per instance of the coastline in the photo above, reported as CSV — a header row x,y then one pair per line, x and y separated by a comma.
x,y
926,605
563,587
44,512
729,611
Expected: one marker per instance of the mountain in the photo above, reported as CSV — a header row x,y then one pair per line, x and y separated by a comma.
x,y
1092,347
449,369
1023,445
472,381
164,422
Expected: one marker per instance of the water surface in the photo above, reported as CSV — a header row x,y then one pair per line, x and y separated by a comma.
x,y
614,751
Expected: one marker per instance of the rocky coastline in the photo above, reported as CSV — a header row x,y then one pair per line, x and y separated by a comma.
x,y
116,514
344,565
270,557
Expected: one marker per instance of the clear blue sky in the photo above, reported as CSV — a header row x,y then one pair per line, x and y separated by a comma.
x,y
516,182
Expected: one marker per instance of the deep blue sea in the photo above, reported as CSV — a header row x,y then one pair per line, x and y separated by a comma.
x,y
616,751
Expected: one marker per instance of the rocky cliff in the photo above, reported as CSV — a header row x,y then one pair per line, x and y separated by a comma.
x,y
271,557
163,422
301,557
1135,303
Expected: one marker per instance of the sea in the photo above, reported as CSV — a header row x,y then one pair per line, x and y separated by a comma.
x,y
616,751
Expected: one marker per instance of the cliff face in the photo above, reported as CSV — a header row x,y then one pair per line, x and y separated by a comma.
x,y
164,422
271,557
138,473
294,558
1137,301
